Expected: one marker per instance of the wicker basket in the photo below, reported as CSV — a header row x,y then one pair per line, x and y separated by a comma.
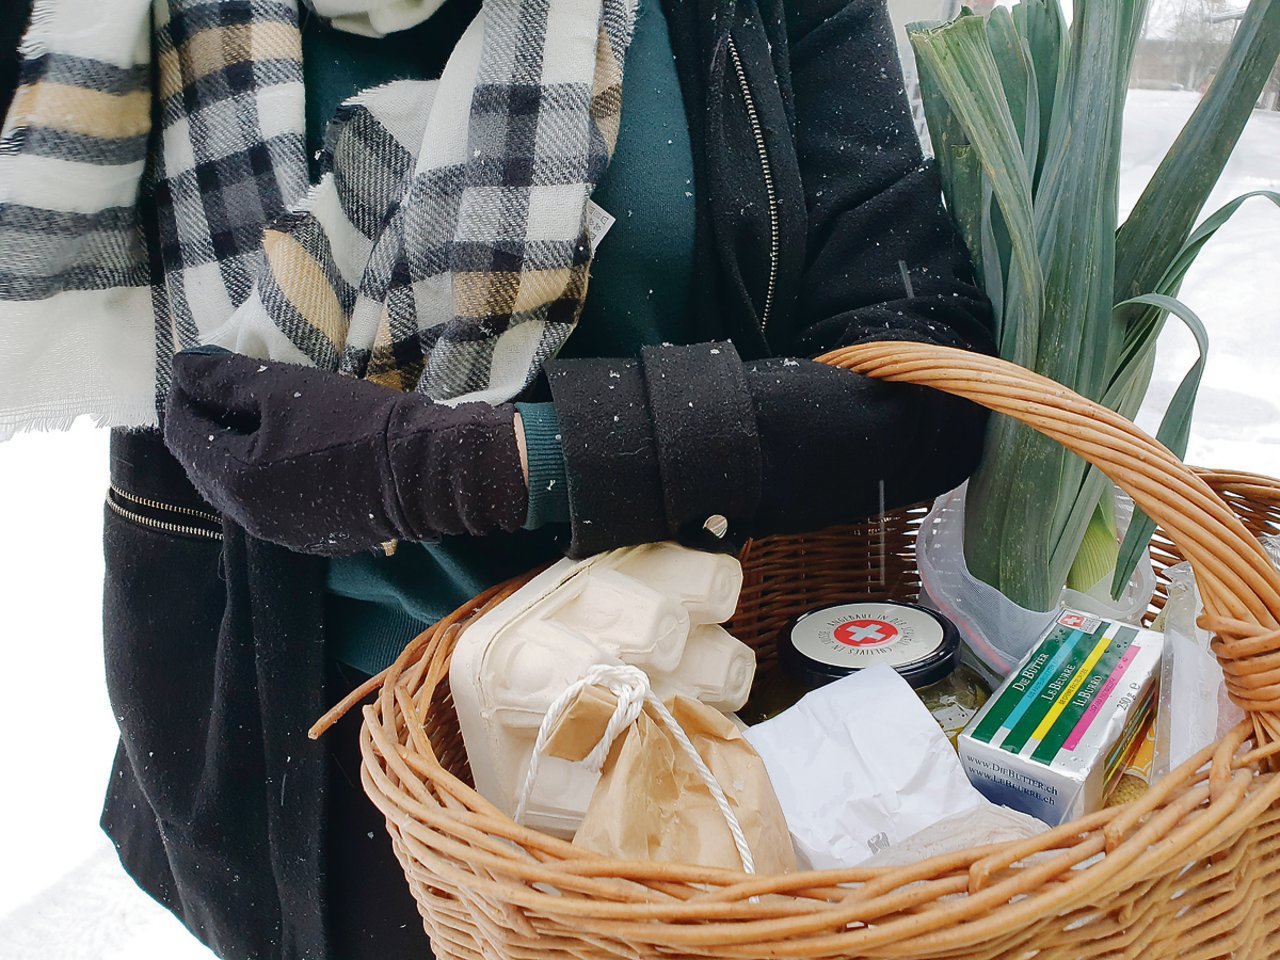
x,y
1192,870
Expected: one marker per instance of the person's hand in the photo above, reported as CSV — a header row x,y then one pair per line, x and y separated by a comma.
x,y
522,448
327,464
833,445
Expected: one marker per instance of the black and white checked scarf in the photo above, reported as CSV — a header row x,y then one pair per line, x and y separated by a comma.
x,y
444,249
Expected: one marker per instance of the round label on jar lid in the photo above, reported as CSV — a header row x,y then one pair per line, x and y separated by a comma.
x,y
854,636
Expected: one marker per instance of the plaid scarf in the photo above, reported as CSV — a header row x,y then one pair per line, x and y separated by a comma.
x,y
444,249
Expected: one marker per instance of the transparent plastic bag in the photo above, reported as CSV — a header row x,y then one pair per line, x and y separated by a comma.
x,y
997,631
1195,710
982,826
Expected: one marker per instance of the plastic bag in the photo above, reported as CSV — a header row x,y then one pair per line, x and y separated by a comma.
x,y
1195,710
997,631
982,826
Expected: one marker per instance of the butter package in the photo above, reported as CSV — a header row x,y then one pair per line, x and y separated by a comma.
x,y
1056,737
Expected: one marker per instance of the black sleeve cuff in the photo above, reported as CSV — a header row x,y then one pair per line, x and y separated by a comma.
x,y
705,431
615,488
654,448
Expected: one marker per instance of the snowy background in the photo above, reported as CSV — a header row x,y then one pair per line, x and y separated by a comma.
x,y
62,893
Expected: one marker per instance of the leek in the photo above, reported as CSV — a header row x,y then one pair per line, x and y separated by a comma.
x,y
1025,113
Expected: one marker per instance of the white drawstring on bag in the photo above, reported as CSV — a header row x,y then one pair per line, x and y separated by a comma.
x,y
631,686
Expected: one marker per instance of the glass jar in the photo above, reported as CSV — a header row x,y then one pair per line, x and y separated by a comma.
x,y
833,642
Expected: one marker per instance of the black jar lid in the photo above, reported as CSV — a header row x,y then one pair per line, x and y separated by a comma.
x,y
832,642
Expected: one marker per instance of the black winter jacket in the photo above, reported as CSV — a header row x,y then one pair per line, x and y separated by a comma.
x,y
819,225
811,191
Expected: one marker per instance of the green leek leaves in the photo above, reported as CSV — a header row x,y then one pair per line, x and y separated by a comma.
x,y
1025,115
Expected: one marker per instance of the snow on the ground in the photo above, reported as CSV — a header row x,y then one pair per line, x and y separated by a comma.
x,y
94,912
1234,287
63,895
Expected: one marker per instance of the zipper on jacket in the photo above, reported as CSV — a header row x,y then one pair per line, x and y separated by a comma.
x,y
115,496
774,229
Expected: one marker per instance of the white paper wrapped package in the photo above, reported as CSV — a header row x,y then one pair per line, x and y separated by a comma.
x,y
656,607
860,765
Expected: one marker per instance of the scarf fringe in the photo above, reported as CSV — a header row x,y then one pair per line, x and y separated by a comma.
x,y
35,42
110,416
54,367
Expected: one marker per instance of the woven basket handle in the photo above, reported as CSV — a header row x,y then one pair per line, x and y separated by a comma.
x,y
1238,583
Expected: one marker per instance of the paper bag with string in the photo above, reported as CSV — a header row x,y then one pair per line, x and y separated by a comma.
x,y
678,782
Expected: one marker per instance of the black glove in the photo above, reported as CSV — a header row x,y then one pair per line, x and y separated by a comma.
x,y
655,447
326,464
839,447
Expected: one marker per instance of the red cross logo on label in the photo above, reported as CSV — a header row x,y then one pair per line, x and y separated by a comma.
x,y
866,633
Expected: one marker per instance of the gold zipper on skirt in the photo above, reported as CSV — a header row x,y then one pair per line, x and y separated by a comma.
x,y
115,495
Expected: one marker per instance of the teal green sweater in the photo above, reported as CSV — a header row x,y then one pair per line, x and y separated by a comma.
x,y
637,296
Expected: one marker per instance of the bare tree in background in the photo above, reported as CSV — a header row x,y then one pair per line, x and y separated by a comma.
x,y
1203,31
1184,42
